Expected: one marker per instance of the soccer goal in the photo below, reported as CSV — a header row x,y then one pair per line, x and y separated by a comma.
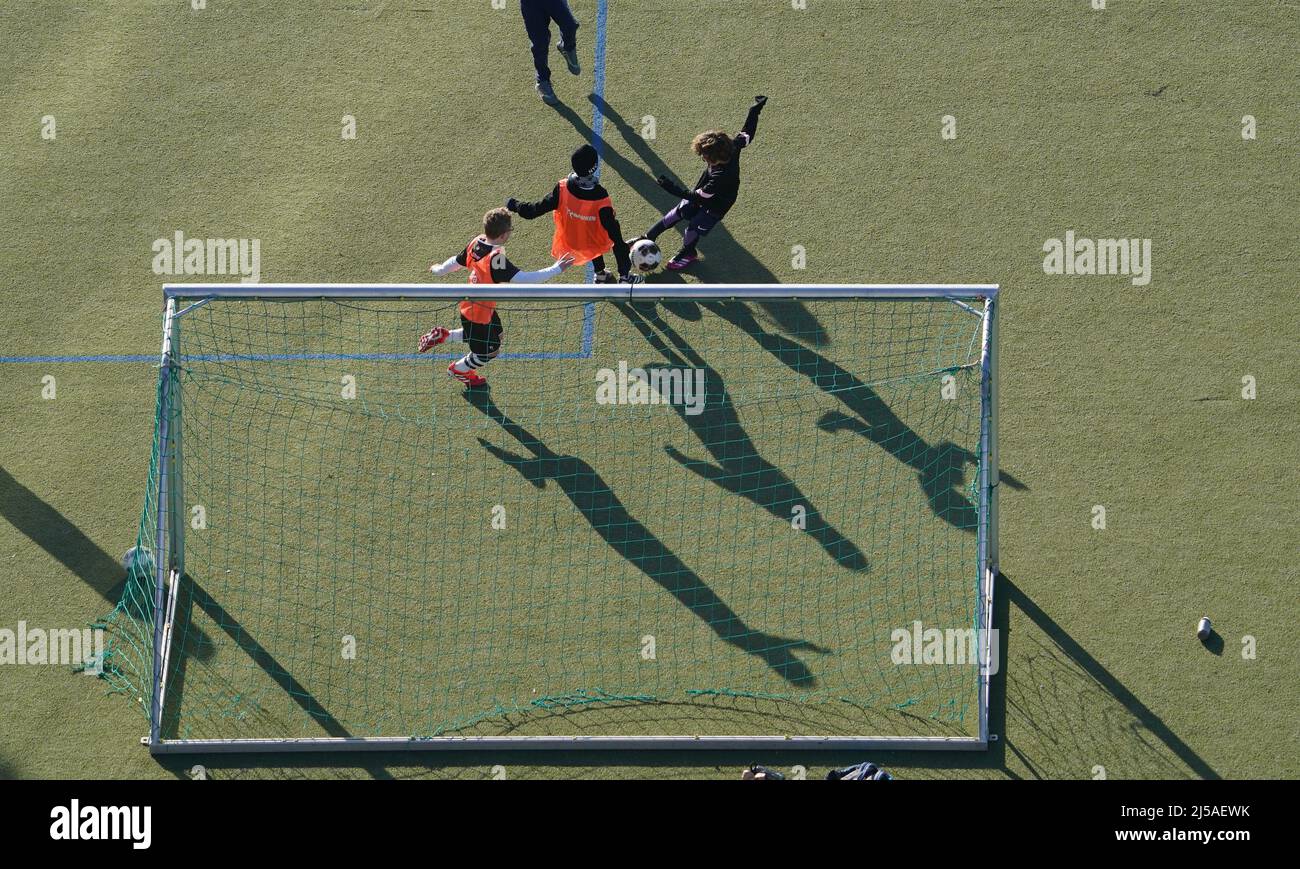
x,y
713,516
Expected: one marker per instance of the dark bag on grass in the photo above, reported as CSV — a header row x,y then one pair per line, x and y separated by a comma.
x,y
865,771
755,772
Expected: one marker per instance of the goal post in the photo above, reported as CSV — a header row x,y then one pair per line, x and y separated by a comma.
x,y
681,516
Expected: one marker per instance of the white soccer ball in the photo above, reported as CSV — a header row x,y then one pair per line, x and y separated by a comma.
x,y
646,256
138,561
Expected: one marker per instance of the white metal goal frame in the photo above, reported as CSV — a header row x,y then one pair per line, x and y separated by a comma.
x,y
978,299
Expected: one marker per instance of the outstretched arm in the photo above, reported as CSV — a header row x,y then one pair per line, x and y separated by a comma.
x,y
530,210
452,264
747,132
676,189
544,275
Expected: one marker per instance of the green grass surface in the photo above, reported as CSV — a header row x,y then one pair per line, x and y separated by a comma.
x,y
1117,123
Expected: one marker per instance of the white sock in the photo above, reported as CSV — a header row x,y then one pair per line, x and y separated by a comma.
x,y
472,362
456,335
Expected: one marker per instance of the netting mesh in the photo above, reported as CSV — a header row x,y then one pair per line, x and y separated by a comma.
x,y
372,550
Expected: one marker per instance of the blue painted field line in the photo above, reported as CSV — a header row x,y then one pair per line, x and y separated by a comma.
x,y
598,134
132,357
291,357
588,340
362,357
598,88
588,330
588,310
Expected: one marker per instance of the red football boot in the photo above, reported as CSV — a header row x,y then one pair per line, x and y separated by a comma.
x,y
469,378
433,338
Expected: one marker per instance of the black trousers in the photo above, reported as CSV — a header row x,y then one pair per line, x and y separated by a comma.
x,y
538,15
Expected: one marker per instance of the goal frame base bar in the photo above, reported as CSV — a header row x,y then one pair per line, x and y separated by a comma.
x,y
170,529
571,743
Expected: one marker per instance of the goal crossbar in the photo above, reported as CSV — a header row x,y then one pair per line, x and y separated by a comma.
x,y
593,292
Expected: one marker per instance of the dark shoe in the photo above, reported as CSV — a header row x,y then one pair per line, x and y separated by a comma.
x,y
570,56
547,93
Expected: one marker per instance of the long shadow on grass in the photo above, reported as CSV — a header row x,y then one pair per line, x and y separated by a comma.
x,y
50,530
727,261
194,645
598,504
940,467
1125,750
737,465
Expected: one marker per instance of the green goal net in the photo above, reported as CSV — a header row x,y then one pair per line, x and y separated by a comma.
x,y
715,519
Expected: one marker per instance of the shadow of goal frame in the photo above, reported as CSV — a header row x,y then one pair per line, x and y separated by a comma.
x,y
169,526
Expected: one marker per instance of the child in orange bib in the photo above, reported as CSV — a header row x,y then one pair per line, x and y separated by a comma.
x,y
585,223
480,324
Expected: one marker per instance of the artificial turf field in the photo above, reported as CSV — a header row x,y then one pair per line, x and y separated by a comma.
x,y
1124,122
